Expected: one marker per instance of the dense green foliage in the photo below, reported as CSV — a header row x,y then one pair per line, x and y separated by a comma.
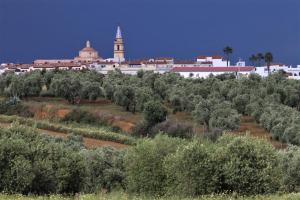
x,y
144,164
124,196
215,102
39,164
33,163
232,164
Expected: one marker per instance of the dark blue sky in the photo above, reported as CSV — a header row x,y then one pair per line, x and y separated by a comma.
x,y
31,29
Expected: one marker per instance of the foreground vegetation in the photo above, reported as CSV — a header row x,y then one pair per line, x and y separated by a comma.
x,y
168,159
31,163
124,196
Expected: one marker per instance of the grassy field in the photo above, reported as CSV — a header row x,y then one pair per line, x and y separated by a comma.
x,y
122,196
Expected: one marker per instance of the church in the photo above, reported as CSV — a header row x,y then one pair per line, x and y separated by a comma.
x,y
89,55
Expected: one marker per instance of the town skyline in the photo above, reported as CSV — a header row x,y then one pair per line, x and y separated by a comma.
x,y
64,33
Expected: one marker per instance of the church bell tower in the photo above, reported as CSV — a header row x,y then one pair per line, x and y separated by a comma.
x,y
119,47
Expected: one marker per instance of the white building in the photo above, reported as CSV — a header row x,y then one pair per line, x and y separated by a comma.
x,y
292,72
19,68
204,72
214,61
132,67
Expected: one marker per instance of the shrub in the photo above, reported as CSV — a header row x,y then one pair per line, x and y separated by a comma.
x,y
191,170
144,164
247,165
290,165
141,129
39,164
213,135
173,129
105,166
154,112
14,107
79,116
224,118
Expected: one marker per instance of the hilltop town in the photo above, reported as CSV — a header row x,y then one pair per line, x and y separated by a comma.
x,y
200,67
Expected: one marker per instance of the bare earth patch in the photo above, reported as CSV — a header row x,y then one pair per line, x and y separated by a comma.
x,y
249,125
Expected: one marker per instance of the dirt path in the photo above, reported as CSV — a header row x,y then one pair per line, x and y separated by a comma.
x,y
88,142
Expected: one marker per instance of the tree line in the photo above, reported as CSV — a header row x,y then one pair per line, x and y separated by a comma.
x,y
216,102
40,164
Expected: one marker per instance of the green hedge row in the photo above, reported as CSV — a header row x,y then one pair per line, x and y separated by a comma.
x,y
99,133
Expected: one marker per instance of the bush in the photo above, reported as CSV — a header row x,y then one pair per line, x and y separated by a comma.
x,y
173,129
141,129
224,118
213,135
154,112
105,166
144,164
80,116
247,165
39,164
14,107
191,170
290,165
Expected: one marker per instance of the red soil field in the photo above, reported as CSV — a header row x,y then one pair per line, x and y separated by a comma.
x,y
249,125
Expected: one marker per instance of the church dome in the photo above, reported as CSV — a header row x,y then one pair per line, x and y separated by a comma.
x,y
88,53
88,47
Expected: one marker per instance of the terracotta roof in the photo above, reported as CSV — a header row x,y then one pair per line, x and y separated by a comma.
x,y
133,62
212,69
217,57
88,49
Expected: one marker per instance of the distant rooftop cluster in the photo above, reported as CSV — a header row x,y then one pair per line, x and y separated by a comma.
x,y
201,67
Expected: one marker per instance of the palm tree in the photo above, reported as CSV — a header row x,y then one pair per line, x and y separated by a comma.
x,y
253,59
268,59
259,57
227,51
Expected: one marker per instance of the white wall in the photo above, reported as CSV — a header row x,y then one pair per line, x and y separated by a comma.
x,y
295,71
207,74
215,62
